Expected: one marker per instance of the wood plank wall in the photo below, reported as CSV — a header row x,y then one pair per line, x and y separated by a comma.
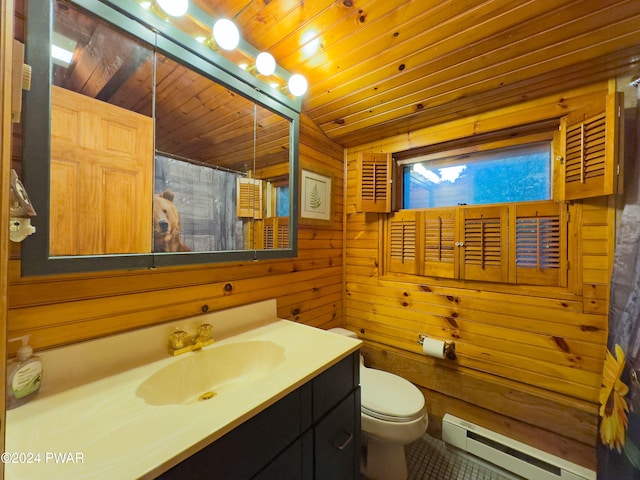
x,y
63,309
6,58
529,359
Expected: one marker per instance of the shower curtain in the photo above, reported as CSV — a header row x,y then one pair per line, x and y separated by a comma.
x,y
618,452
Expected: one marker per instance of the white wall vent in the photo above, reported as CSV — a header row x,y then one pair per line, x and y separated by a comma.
x,y
507,453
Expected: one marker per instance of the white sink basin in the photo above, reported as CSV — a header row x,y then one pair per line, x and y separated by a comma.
x,y
202,375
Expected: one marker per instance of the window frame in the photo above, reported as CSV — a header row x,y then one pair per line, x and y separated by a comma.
x,y
453,156
508,275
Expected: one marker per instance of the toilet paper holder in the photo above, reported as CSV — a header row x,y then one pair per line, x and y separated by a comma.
x,y
449,347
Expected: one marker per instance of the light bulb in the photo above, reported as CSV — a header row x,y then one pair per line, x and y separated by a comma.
x,y
265,63
297,85
226,34
175,8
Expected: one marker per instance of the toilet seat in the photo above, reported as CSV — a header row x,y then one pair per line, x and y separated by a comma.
x,y
388,397
391,418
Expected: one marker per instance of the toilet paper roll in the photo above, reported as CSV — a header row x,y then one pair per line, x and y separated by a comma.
x,y
433,347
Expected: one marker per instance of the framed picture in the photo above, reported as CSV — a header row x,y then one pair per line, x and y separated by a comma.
x,y
316,196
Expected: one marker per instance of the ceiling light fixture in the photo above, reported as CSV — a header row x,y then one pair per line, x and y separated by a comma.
x,y
62,49
297,85
265,63
61,56
226,34
175,8
311,43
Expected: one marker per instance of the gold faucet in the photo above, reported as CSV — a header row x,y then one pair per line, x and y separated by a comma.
x,y
180,342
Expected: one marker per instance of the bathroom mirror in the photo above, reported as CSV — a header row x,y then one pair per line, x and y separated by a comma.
x,y
145,148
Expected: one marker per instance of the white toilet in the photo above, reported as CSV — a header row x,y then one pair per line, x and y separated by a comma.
x,y
393,415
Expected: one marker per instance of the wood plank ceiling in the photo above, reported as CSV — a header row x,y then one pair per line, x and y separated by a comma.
x,y
382,67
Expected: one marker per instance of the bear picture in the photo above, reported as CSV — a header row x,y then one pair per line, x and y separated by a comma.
x,y
166,224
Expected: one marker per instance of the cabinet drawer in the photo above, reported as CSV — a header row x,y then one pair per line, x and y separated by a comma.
x,y
331,386
337,441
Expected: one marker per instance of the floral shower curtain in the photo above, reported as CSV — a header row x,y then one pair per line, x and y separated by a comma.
x,y
619,447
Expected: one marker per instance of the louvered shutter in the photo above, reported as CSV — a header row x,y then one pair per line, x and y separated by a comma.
x,y
375,172
275,233
249,198
485,244
402,242
539,256
440,254
268,235
282,232
590,153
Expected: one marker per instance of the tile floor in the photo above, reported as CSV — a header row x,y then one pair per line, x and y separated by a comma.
x,y
431,459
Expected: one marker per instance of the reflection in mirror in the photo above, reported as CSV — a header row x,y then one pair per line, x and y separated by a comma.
x,y
204,144
156,153
272,168
221,161
101,138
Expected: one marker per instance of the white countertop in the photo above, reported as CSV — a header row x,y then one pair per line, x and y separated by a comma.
x,y
100,429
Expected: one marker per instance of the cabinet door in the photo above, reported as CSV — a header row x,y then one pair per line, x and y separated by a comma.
x,y
334,384
295,462
245,450
337,441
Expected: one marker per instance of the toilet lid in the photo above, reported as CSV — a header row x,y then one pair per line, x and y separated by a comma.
x,y
389,397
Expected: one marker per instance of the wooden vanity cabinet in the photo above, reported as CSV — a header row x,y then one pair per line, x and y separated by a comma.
x,y
337,441
312,433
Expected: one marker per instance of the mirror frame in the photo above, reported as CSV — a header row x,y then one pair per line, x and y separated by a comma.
x,y
173,43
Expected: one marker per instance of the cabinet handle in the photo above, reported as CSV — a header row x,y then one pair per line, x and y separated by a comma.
x,y
344,444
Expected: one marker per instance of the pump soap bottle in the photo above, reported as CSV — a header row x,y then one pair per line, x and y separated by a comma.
x,y
24,374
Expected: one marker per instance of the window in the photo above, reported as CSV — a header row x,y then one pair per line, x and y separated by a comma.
x,y
498,176
282,201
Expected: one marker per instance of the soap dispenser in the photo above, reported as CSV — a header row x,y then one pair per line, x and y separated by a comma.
x,y
24,374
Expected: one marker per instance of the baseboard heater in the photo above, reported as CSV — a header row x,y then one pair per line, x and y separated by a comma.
x,y
509,454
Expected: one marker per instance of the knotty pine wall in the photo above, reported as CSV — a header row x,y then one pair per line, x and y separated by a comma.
x,y
529,359
62,309
6,39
